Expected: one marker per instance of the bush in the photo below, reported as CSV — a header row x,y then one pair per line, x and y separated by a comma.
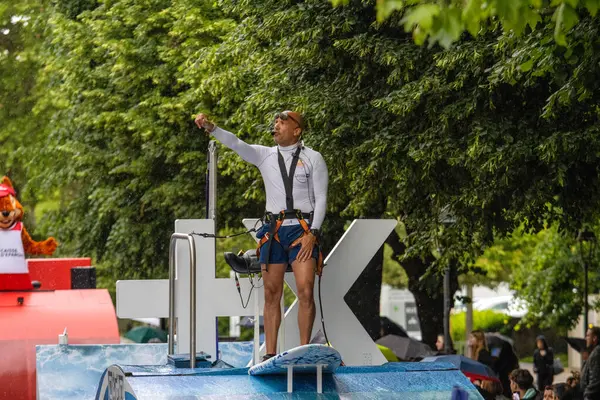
x,y
486,320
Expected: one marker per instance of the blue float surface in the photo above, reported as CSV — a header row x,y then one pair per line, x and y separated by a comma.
x,y
408,380
73,371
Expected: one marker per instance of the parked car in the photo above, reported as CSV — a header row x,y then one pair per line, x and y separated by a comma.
x,y
508,305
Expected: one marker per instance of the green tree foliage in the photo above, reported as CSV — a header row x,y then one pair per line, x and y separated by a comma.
x,y
393,273
547,272
443,21
23,127
121,143
19,64
72,8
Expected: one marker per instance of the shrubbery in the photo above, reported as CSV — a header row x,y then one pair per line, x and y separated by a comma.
x,y
486,320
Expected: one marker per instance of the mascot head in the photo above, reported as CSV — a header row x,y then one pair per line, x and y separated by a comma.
x,y
11,210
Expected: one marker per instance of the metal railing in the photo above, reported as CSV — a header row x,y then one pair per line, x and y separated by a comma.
x,y
211,209
192,247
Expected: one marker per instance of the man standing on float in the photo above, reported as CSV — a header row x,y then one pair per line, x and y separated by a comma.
x,y
295,179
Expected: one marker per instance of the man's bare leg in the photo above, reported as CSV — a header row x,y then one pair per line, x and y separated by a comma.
x,y
273,285
304,272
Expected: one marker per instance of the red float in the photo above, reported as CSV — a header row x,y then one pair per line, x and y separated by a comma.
x,y
34,317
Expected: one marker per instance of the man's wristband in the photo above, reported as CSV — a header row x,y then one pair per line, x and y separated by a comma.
x,y
211,129
316,233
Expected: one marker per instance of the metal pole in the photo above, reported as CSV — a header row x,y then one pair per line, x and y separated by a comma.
x,y
192,249
447,218
447,347
469,317
171,340
211,209
192,244
212,181
590,238
585,298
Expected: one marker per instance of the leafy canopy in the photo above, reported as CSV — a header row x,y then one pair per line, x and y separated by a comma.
x,y
443,21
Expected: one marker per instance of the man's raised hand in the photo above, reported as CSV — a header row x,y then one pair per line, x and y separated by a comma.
x,y
202,121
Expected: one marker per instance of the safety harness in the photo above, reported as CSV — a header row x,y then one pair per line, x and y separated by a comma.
x,y
275,221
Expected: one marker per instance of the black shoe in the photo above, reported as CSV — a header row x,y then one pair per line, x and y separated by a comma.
x,y
267,356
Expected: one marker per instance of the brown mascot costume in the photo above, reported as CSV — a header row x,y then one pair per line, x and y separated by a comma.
x,y
15,242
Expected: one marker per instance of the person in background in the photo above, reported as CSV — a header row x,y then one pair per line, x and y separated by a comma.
x,y
572,388
585,354
543,363
550,393
521,385
478,348
506,362
440,343
494,388
483,392
590,374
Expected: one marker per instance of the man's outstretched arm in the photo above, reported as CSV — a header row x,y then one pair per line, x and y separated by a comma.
x,y
253,154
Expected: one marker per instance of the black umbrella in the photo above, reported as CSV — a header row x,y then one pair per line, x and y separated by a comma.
x,y
496,338
496,342
506,360
389,327
405,348
577,344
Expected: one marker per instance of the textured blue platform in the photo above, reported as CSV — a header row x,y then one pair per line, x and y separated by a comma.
x,y
74,372
65,372
416,381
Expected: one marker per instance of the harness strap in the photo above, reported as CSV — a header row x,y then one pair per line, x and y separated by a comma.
x,y
319,266
295,214
288,184
273,234
288,180
274,228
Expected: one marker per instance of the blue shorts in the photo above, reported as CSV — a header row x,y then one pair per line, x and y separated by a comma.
x,y
279,254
